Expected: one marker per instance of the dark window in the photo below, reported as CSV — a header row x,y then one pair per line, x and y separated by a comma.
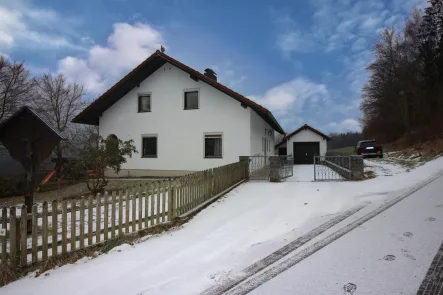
x,y
149,148
191,100
213,146
144,103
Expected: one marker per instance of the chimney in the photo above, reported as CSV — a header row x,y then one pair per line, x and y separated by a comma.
x,y
211,74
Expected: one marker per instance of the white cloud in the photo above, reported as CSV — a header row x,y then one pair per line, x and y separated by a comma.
x,y
27,26
345,125
229,74
127,46
337,24
292,95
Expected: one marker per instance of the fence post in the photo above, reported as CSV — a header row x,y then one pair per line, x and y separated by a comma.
x,y
4,241
34,233
73,225
275,165
64,226
54,227
245,161
171,200
13,234
315,173
45,231
82,222
24,239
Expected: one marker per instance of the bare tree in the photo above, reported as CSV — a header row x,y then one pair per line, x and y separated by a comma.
x,y
15,86
59,102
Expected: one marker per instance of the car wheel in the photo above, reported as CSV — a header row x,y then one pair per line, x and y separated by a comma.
x,y
381,157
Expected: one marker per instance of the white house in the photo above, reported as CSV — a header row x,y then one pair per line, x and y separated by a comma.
x,y
303,144
180,119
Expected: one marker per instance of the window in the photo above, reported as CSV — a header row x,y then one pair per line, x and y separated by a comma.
x,y
213,146
191,100
149,147
144,103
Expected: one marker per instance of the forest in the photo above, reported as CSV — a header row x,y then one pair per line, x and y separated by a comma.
x,y
403,98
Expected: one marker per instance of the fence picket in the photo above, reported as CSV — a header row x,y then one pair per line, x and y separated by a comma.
x,y
113,213
170,200
140,206
34,233
54,227
45,230
134,208
127,204
13,234
82,222
146,198
90,220
120,213
98,217
4,238
64,226
73,224
157,203
164,186
23,237
105,216
152,202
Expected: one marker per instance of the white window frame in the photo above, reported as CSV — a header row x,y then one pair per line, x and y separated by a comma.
x,y
138,101
184,98
214,134
148,136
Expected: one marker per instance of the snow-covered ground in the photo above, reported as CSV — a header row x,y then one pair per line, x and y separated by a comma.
x,y
389,254
248,224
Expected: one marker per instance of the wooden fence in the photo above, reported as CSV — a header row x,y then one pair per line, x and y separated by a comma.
x,y
63,226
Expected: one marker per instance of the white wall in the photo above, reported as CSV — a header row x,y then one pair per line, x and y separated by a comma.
x,y
180,142
306,136
258,126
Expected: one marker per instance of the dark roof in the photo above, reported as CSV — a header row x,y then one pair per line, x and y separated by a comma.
x,y
91,114
28,109
304,127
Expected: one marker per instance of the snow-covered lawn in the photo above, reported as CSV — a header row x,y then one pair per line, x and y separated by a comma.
x,y
248,224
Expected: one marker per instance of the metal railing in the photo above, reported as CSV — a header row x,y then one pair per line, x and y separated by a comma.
x,y
332,168
259,167
287,166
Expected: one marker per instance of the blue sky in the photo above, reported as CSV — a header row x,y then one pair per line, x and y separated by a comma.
x,y
304,60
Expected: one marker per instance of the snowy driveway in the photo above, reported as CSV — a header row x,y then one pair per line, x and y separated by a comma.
x,y
254,220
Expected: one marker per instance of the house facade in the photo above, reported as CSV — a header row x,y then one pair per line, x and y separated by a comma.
x,y
180,120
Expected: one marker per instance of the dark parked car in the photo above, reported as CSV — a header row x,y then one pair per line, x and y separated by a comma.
x,y
369,148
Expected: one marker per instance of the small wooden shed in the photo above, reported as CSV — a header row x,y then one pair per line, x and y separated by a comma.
x,y
30,139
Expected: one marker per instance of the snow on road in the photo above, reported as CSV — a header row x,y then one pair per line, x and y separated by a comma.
x,y
248,224
389,254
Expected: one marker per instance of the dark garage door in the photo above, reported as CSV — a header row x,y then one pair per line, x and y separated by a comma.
x,y
304,152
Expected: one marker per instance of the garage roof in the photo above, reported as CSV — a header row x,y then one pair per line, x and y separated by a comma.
x,y
91,114
304,127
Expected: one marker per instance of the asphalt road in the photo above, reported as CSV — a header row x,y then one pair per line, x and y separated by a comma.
x,y
389,254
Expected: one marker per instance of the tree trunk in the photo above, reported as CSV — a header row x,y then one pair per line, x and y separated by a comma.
x,y
29,192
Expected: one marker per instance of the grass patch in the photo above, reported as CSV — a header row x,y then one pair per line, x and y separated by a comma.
x,y
7,274
350,150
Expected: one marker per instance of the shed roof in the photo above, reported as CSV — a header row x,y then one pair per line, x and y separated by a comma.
x,y
91,114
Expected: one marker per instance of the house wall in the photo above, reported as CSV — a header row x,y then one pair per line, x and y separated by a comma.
x,y
306,136
258,126
180,141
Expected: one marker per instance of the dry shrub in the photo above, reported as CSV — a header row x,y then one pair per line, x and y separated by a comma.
x,y
7,274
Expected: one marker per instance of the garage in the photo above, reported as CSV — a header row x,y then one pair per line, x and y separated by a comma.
x,y
304,152
303,144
